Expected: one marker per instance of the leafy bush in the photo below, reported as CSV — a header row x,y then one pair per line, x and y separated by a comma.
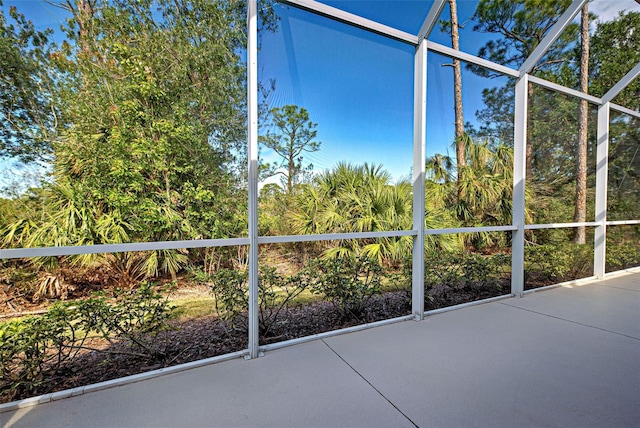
x,y
464,270
622,257
551,263
32,347
230,291
275,293
348,282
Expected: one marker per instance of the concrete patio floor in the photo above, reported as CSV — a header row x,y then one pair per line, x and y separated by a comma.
x,y
568,356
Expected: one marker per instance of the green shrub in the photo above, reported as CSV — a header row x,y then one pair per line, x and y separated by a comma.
x,y
275,293
230,291
557,263
464,270
35,346
622,257
348,282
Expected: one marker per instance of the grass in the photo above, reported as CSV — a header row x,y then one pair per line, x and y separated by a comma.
x,y
194,307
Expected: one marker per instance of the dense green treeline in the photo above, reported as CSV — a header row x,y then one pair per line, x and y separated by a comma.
x,y
140,116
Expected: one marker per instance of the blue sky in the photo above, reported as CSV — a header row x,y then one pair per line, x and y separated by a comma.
x,y
358,86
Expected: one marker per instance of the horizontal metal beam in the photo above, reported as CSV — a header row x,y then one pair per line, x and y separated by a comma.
x,y
622,222
354,20
560,225
445,50
451,230
624,110
622,83
581,281
19,253
334,236
468,304
563,89
551,36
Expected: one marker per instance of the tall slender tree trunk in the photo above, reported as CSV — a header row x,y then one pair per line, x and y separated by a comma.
x,y
83,11
457,93
580,213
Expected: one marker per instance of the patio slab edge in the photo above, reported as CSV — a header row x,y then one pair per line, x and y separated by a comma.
x,y
80,390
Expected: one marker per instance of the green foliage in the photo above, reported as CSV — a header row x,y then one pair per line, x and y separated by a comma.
x,y
522,24
615,48
622,257
274,208
276,292
553,263
153,102
27,112
31,348
623,247
293,136
230,290
160,111
623,198
481,196
460,270
352,198
348,282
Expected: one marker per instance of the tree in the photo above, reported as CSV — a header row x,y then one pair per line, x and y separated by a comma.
x,y
361,198
452,27
522,24
294,135
28,114
483,195
156,104
615,48
580,213
153,97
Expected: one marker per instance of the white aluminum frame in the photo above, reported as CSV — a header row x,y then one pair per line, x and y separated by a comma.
x,y
553,34
418,232
431,19
419,176
519,177
602,167
252,134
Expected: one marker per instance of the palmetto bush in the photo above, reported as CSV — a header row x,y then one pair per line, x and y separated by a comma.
x,y
482,194
362,198
69,217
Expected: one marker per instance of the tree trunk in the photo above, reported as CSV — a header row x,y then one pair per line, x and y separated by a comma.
x,y
83,14
580,213
457,93
291,164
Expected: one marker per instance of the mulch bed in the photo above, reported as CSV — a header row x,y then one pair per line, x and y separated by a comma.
x,y
201,338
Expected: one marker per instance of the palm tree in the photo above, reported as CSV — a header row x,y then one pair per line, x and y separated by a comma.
x,y
362,198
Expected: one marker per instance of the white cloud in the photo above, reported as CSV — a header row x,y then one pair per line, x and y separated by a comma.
x,y
608,9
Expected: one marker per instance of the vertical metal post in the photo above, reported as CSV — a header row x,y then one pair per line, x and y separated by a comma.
x,y
602,167
519,177
252,136
419,137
